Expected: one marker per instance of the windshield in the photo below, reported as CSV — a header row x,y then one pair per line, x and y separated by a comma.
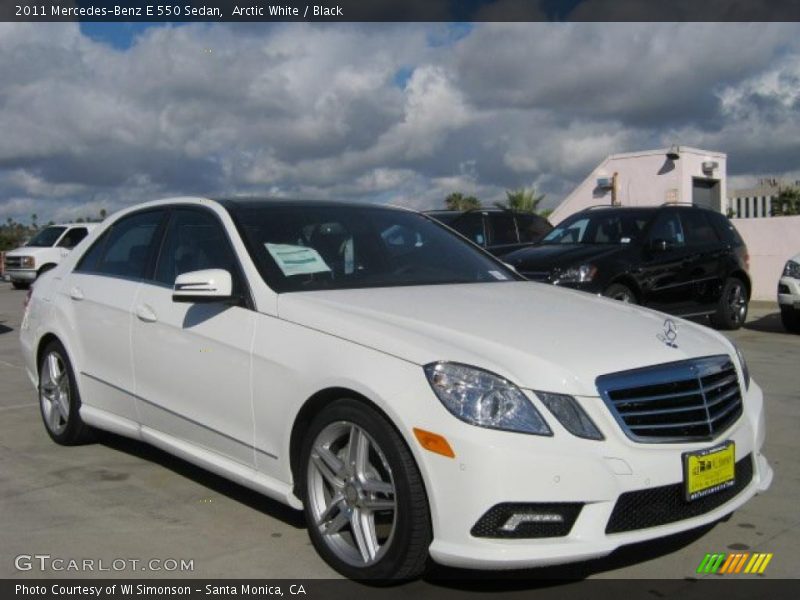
x,y
600,227
306,248
46,237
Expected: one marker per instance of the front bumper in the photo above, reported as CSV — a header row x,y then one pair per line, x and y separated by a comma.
x,y
789,292
20,274
492,468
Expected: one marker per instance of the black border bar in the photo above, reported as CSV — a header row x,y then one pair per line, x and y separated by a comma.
x,y
175,11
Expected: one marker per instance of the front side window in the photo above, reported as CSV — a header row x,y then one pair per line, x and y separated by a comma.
x,y
601,226
123,251
470,225
306,248
46,237
194,240
73,237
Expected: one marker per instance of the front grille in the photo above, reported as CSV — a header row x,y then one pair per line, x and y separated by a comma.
x,y
667,504
536,275
689,400
13,262
490,525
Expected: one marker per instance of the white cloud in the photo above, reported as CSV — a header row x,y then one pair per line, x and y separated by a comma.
x,y
392,113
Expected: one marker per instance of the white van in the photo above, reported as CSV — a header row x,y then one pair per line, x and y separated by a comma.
x,y
43,252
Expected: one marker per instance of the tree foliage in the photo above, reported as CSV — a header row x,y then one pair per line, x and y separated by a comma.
x,y
458,201
524,200
787,202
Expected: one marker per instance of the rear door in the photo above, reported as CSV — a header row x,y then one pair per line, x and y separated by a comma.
x,y
100,293
192,360
705,268
665,256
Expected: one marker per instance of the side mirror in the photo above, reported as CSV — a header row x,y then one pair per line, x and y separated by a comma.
x,y
208,285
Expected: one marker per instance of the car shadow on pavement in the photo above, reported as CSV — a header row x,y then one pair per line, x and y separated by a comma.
x,y
493,581
4,328
234,491
770,323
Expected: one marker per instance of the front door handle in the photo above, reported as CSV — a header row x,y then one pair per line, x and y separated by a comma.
x,y
146,314
76,293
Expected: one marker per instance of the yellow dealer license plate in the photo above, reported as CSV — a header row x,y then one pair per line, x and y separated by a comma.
x,y
709,471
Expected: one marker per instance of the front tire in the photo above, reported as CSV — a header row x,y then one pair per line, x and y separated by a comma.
x,y
732,306
363,495
791,319
59,400
617,291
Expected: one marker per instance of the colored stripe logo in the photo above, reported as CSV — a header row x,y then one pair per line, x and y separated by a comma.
x,y
722,563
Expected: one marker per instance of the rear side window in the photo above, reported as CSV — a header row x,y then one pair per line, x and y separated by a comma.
x,y
667,228
697,228
725,229
502,229
73,237
123,251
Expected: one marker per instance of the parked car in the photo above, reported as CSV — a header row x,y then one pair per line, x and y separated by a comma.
x,y
680,259
789,294
43,252
497,230
369,366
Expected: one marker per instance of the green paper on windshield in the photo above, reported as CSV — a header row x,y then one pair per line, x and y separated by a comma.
x,y
297,260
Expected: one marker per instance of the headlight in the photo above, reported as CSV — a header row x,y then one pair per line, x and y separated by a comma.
x,y
570,414
792,269
579,274
484,399
28,262
745,370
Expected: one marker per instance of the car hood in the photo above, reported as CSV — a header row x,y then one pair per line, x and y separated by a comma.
x,y
548,256
27,250
536,335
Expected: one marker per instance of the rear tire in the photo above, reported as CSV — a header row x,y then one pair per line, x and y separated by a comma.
x,y
732,306
791,319
20,285
363,495
618,291
59,400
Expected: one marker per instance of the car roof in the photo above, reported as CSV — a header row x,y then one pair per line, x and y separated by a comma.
x,y
446,211
88,225
259,202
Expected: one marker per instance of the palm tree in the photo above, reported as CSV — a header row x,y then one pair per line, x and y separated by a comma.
x,y
525,200
458,201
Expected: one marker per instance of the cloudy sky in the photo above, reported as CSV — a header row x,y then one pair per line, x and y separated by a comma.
x,y
105,115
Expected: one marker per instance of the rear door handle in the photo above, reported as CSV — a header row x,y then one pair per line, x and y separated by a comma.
x,y
76,293
146,314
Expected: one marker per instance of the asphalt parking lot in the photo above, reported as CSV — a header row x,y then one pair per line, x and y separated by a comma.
x,y
119,499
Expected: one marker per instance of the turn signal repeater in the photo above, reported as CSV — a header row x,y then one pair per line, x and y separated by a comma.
x,y
434,442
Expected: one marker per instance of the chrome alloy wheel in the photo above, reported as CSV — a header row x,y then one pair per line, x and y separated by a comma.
x,y
54,393
737,303
351,494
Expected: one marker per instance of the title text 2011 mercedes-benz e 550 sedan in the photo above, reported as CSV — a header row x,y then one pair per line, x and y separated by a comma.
x,y
413,395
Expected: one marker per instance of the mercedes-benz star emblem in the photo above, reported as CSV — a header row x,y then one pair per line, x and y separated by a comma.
x,y
670,333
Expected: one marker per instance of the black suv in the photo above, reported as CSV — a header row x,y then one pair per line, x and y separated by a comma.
x,y
497,230
684,260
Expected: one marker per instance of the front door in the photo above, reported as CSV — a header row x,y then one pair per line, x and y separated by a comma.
x,y
192,360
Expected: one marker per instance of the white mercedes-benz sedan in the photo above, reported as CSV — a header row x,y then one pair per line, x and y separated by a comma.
x,y
412,394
